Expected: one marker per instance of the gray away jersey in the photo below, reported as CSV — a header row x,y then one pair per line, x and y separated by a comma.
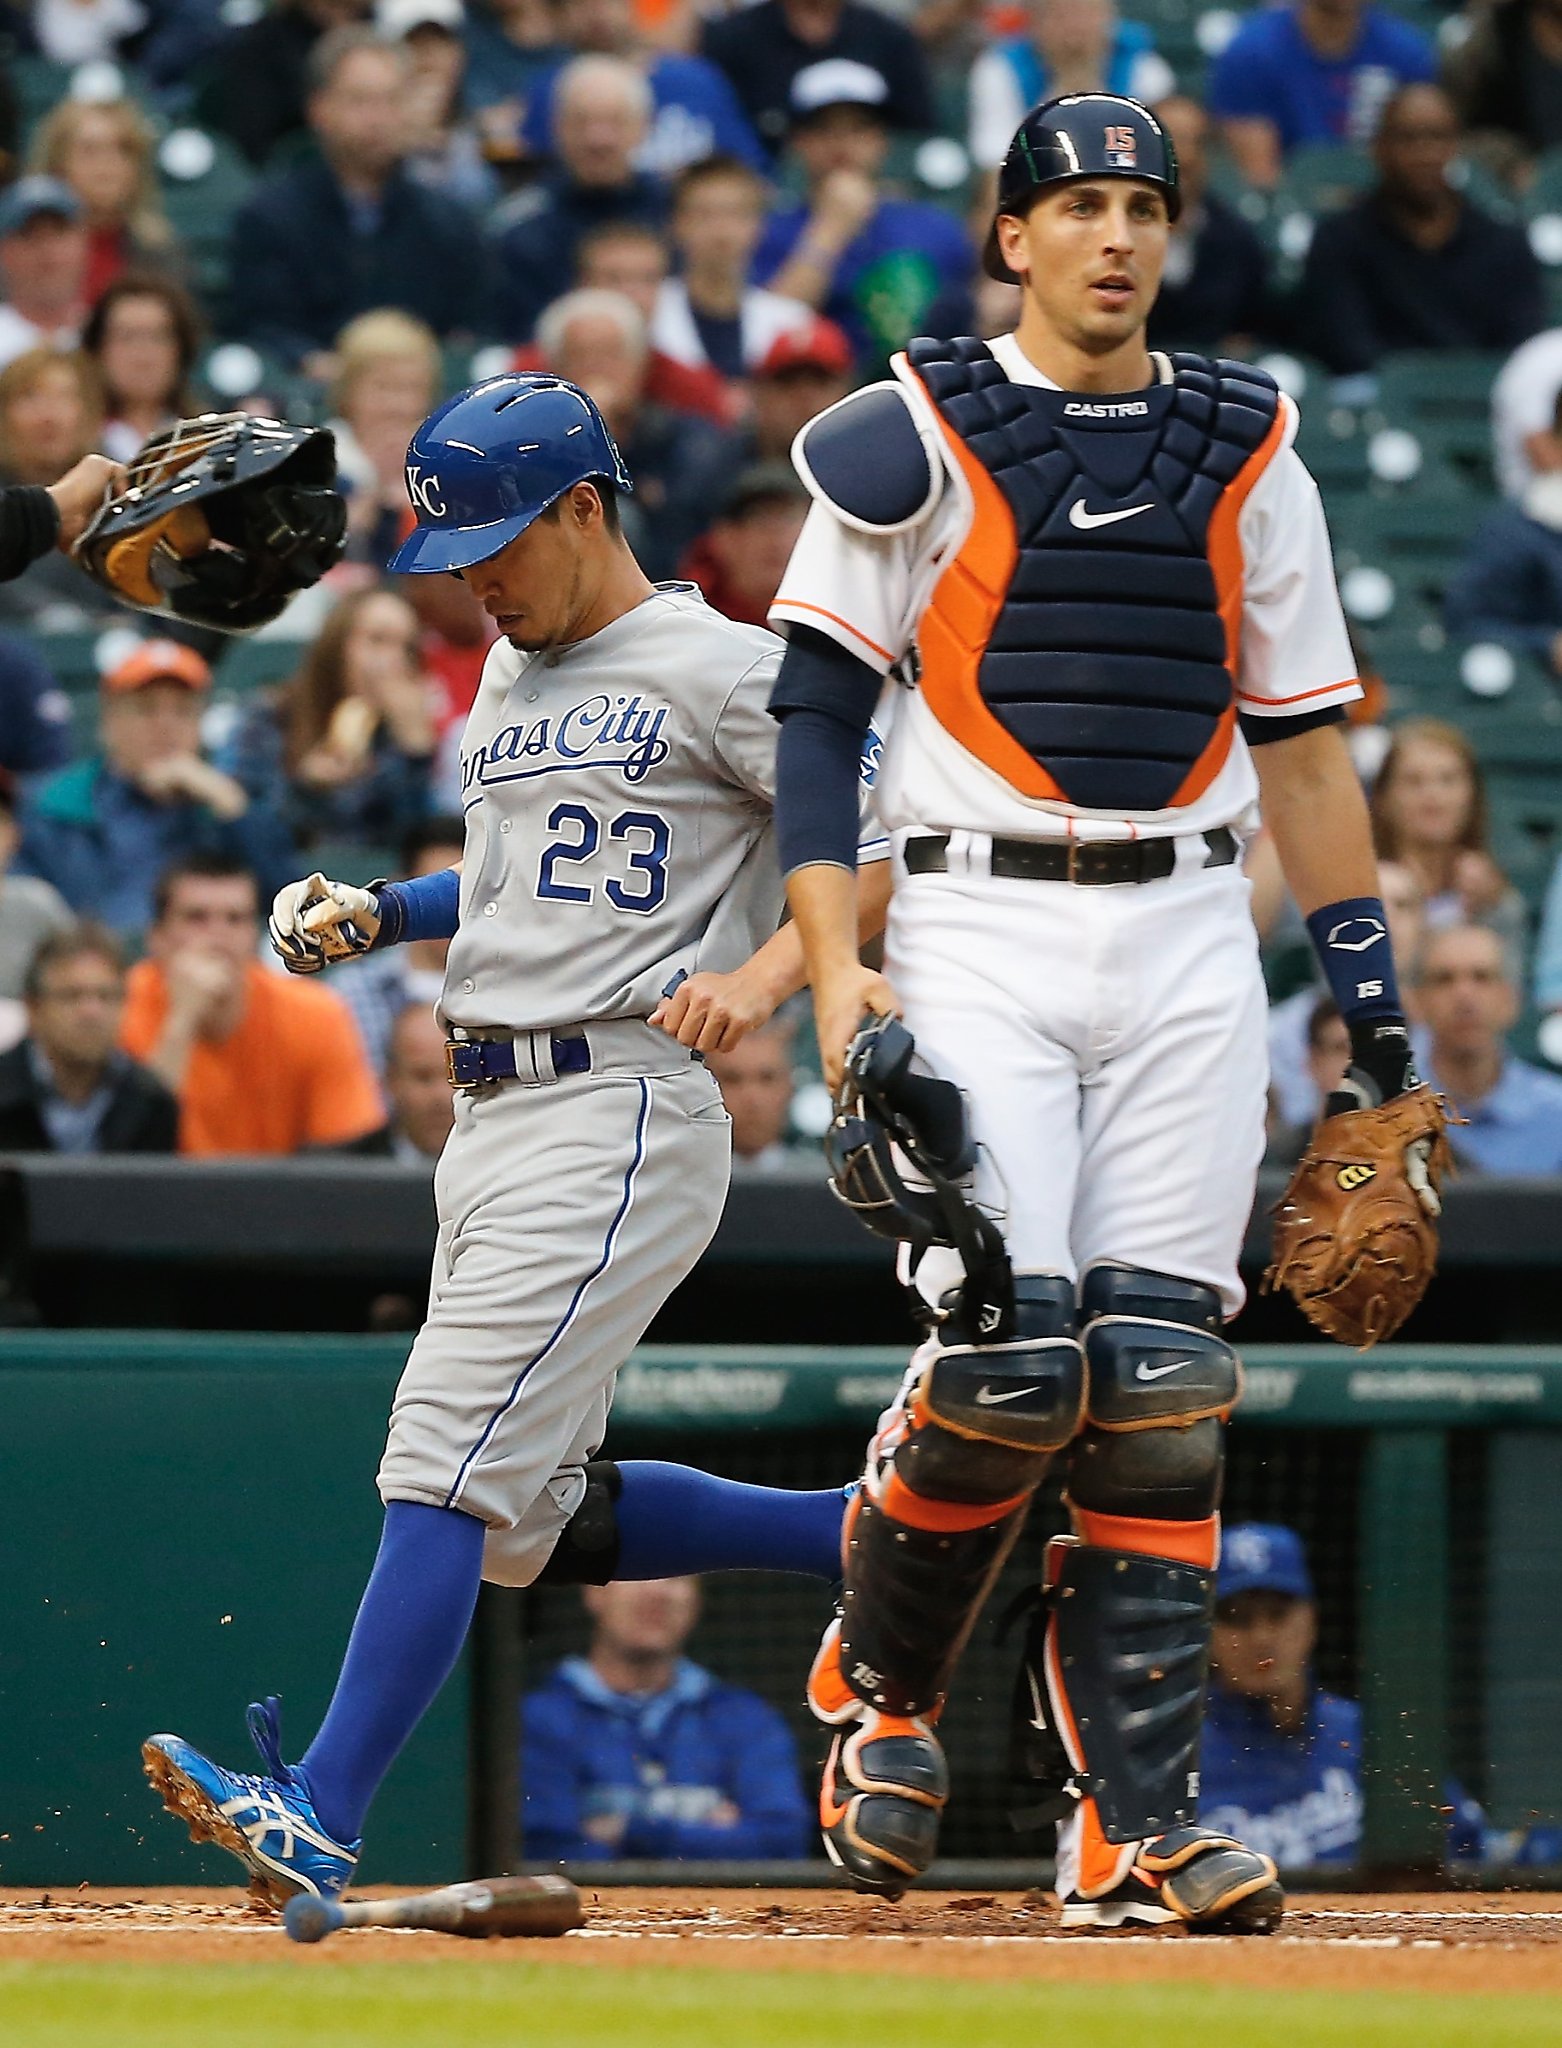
x,y
618,801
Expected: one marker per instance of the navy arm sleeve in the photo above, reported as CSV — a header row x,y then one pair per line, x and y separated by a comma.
x,y
1260,732
824,698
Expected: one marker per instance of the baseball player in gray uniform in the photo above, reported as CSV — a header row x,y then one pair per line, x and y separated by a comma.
x,y
615,915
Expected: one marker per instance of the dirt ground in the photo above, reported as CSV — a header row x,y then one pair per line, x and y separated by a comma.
x,y
1445,1941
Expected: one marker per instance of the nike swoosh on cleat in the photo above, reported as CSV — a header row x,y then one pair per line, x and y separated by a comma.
x,y
1160,1372
986,1398
1078,516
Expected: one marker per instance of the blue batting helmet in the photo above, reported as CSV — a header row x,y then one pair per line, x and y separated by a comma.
x,y
491,459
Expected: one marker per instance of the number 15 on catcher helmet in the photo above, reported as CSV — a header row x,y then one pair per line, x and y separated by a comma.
x,y
493,459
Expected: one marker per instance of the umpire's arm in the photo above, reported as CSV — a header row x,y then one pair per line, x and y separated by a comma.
x,y
33,520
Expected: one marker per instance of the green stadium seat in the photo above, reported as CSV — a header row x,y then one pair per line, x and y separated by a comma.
x,y
1525,840
203,181
250,665
1323,177
1416,538
1445,399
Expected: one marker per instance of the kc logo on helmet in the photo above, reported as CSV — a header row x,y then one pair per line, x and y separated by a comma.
x,y
426,492
1122,148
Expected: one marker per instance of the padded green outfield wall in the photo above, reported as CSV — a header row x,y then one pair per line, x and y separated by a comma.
x,y
186,1523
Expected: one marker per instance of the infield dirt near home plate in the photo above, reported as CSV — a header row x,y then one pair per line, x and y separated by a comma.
x,y
1456,1942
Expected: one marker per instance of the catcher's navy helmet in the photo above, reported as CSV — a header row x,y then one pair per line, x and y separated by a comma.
x,y
1082,135
491,459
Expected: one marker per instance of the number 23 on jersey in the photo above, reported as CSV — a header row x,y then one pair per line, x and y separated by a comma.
x,y
630,868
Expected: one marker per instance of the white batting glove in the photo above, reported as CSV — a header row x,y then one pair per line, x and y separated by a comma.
x,y
317,921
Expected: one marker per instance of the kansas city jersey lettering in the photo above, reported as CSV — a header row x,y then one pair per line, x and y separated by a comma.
x,y
623,732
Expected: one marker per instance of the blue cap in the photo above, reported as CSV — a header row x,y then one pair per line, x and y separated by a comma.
x,y
1262,1556
492,459
29,199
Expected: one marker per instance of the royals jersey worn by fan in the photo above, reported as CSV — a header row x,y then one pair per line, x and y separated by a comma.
x,y
1089,606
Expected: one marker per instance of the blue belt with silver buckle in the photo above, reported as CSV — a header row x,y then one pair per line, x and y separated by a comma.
x,y
472,1062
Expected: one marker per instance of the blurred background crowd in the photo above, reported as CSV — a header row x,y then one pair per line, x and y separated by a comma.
x,y
718,221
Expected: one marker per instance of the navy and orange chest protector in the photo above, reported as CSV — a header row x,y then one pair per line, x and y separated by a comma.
x,y
1084,640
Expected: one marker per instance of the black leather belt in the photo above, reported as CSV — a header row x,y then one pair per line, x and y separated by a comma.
x,y
1088,863
470,1062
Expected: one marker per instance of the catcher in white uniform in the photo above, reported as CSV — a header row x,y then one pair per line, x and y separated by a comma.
x,y
1099,582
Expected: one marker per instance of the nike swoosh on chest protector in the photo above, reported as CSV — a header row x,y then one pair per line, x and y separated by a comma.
x,y
1078,516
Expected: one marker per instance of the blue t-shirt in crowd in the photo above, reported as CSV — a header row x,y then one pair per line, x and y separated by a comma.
x,y
1297,1798
1130,42
35,713
907,257
663,1762
1269,71
1516,1129
695,114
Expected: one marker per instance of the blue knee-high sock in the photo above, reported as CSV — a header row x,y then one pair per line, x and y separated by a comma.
x,y
673,1520
411,1624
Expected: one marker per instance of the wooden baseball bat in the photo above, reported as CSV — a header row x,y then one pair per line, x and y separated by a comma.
x,y
484,1908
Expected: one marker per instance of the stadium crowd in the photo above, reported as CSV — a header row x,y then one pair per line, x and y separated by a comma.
x,y
718,220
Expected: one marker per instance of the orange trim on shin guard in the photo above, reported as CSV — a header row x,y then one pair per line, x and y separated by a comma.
x,y
1184,1542
944,1517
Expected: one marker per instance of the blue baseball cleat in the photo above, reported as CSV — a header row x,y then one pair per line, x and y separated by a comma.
x,y
268,1822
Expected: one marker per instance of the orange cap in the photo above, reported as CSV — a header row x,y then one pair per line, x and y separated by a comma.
x,y
159,661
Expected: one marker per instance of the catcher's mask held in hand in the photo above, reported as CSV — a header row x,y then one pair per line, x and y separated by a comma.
x,y
223,518
888,1119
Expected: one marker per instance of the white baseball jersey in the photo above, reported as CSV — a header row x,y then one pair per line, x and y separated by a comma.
x,y
617,795
869,591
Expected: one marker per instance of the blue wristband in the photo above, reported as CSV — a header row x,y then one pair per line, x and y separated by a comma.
x,y
428,907
1352,941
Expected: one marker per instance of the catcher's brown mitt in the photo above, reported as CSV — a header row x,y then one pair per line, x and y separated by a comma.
x,y
1355,1235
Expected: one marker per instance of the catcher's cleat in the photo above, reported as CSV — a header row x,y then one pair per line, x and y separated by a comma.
x,y
268,1822
885,1783
1205,1881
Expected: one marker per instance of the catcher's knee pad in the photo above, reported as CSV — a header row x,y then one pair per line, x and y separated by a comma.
x,y
1160,1387
985,1414
586,1553
1111,1696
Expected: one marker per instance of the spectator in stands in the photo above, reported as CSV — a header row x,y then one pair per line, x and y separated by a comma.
x,y
739,560
380,986
1311,71
1215,288
1468,1003
510,45
805,371
104,829
1281,1761
1524,408
1328,1055
260,86
1429,811
143,337
1548,961
104,150
388,376
43,267
1509,585
444,148
345,750
763,48
1506,76
260,1062
755,1079
418,1094
351,230
694,111
710,315
679,463
1292,1081
633,1751
67,1087
49,420
634,258
602,115
1068,46
159,40
1414,264
35,713
30,910
874,264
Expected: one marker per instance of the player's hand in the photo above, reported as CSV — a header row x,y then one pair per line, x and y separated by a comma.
x,y
712,1012
316,921
80,492
838,1010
